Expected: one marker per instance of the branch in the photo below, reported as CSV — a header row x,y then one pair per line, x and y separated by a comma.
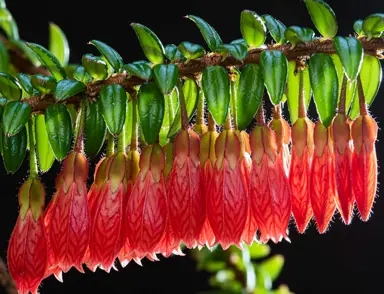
x,y
372,47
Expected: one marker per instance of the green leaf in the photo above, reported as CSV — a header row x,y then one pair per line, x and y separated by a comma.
x,y
263,280
170,108
371,76
58,44
252,28
70,70
81,75
151,111
173,53
14,149
373,25
49,60
190,50
140,70
95,130
44,84
249,94
191,96
9,87
25,82
110,54
95,66
166,76
296,35
68,88
276,28
59,129
28,52
113,102
210,35
4,57
323,17
240,41
215,84
16,115
238,51
8,24
3,4
45,156
324,82
259,250
150,43
273,266
73,114
351,55
292,91
275,73
358,27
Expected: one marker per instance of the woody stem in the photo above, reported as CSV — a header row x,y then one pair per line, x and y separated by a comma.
x,y
33,169
80,126
363,106
343,96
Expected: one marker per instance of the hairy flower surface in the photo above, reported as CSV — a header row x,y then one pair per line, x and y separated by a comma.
x,y
27,249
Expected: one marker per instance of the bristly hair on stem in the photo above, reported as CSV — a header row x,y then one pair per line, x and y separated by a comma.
x,y
343,96
80,126
33,168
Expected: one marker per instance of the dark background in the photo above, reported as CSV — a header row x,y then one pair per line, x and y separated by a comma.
x,y
347,259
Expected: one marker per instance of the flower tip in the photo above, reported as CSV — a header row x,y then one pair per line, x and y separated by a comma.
x,y
59,276
137,260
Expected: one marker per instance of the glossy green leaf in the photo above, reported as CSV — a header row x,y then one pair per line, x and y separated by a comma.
x,y
190,50
358,27
292,90
170,109
95,66
276,28
324,83
249,94
25,82
140,70
4,57
351,55
9,87
81,75
44,84
296,35
323,17
373,25
113,102
240,41
59,129
191,96
73,114
166,76
150,43
49,60
273,266
45,156
110,54
173,53
210,35
95,130
14,149
68,88
238,51
275,72
252,28
16,115
58,44
151,111
27,52
371,75
215,84
70,70
8,24
259,250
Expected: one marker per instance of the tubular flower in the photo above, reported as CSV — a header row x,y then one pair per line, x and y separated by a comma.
x,y
186,201
342,148
69,223
27,249
207,161
146,211
227,204
269,190
300,171
323,185
364,164
169,244
107,215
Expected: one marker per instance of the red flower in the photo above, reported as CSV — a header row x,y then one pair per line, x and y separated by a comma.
x,y
300,172
146,211
341,138
364,164
186,201
227,203
69,224
27,249
269,191
323,185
